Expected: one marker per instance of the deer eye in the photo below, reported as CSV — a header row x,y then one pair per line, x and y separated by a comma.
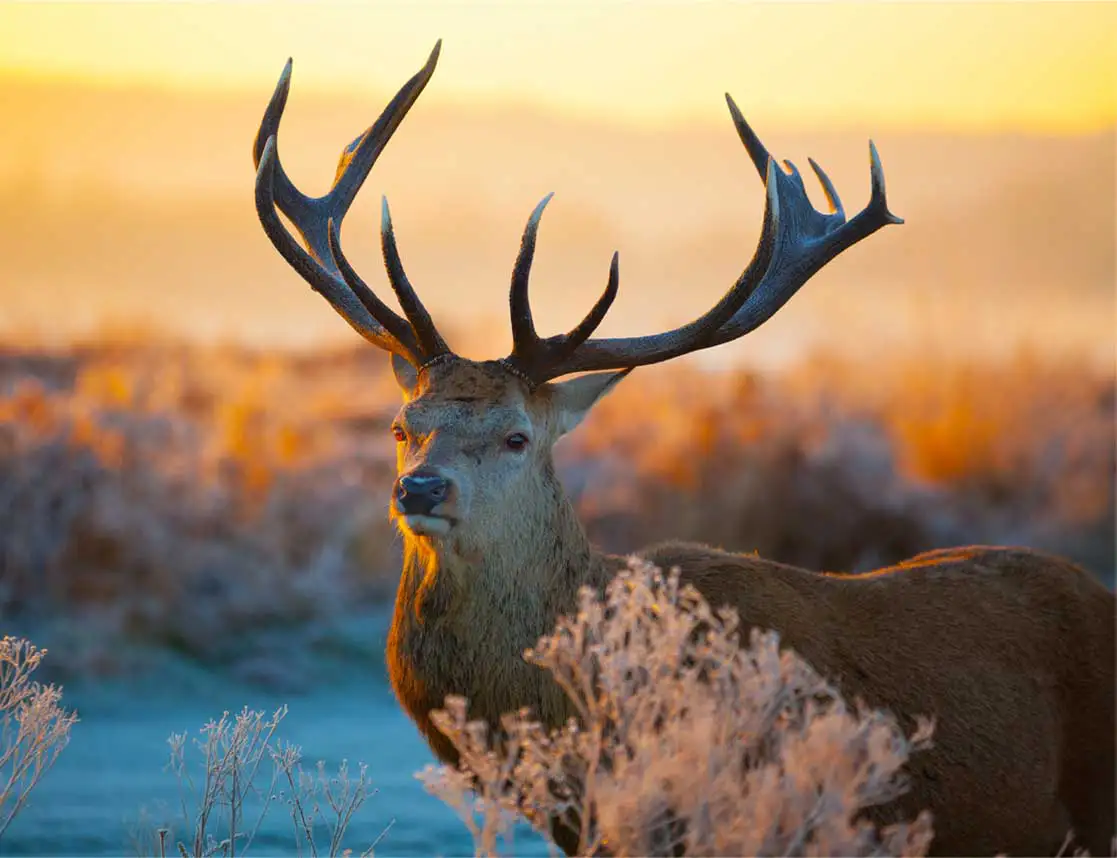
x,y
516,441
399,434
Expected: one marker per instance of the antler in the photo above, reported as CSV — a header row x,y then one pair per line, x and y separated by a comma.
x,y
795,242
318,220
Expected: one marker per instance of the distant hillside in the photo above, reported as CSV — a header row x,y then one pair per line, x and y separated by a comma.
x,y
137,205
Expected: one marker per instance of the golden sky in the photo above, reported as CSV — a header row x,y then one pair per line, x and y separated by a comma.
x,y
1030,66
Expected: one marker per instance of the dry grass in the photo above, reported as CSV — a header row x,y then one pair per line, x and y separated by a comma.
x,y
223,808
204,498
685,743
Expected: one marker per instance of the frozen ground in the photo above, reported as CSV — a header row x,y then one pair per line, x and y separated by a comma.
x,y
112,778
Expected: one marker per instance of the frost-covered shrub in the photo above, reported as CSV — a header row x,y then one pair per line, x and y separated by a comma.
x,y
684,741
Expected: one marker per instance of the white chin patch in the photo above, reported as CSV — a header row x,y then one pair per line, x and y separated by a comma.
x,y
427,525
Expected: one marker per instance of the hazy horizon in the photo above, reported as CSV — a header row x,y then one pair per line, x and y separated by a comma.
x,y
134,208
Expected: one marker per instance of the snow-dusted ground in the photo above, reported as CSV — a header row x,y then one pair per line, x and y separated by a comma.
x,y
112,778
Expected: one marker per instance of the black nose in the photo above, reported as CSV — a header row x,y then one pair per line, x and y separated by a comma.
x,y
421,492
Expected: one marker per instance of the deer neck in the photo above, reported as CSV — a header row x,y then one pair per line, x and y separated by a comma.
x,y
465,613
539,562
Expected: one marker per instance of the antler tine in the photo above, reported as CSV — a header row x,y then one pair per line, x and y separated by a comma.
x,y
530,352
582,331
318,221
395,326
421,321
358,157
795,242
353,306
269,128
828,188
524,339
758,152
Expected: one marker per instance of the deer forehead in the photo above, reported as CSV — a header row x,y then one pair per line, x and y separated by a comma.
x,y
461,379
468,398
464,418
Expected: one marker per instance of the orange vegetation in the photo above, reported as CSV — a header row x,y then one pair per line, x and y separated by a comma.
x,y
163,491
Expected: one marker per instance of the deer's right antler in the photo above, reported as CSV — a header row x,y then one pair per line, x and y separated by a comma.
x,y
318,220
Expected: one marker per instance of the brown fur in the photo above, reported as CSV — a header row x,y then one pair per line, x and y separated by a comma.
x,y
1011,651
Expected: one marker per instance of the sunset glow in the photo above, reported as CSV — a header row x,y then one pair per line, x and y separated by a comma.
x,y
1000,66
128,129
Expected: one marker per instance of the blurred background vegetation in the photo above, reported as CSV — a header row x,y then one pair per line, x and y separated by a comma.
x,y
218,500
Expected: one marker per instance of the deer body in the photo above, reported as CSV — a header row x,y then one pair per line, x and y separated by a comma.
x,y
1009,650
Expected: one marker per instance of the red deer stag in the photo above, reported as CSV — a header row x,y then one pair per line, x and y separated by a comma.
x,y
1010,650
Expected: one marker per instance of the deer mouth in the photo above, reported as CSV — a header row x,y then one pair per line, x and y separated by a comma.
x,y
428,525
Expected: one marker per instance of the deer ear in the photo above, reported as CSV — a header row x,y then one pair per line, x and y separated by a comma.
x,y
407,376
573,399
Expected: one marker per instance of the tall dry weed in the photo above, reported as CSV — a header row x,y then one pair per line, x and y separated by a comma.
x,y
246,771
34,727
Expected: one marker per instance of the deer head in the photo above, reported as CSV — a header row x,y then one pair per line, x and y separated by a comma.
x,y
475,437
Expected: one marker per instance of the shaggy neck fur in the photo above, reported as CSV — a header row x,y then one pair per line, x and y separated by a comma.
x,y
452,588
